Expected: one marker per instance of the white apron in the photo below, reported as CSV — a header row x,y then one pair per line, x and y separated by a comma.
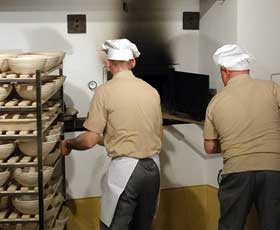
x,y
113,184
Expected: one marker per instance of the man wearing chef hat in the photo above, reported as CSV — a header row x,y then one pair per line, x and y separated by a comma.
x,y
127,112
243,122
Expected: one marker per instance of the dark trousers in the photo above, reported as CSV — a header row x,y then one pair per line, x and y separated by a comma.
x,y
239,191
137,204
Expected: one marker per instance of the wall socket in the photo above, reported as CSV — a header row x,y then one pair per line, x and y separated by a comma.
x,y
191,20
76,23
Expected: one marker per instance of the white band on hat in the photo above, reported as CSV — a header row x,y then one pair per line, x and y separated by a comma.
x,y
239,66
119,55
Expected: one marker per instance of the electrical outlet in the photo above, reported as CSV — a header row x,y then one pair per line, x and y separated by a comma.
x,y
125,7
191,20
76,23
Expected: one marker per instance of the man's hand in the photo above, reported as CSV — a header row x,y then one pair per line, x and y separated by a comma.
x,y
64,149
84,141
212,146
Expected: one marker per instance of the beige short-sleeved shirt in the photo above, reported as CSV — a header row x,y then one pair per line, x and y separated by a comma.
x,y
126,110
245,117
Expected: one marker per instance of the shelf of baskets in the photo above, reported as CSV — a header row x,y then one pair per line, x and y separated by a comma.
x,y
14,105
14,216
17,133
8,216
17,189
22,160
31,167
10,77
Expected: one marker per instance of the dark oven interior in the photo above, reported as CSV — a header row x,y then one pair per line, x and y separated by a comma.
x,y
183,94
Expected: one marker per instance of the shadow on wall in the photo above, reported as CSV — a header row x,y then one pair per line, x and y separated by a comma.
x,y
48,39
183,157
145,27
186,58
164,161
75,92
205,5
56,5
207,48
180,136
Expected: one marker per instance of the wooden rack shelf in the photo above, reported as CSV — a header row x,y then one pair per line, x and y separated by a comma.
x,y
13,217
56,214
12,78
19,161
19,105
26,134
15,189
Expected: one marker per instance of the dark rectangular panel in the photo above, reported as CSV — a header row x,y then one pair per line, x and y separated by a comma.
x,y
76,23
191,20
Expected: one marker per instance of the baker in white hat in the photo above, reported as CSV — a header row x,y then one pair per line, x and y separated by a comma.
x,y
126,111
243,123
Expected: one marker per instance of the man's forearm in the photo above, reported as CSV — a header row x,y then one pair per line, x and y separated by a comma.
x,y
75,144
83,142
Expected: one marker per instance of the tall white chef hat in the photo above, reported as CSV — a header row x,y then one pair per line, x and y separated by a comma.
x,y
232,57
120,50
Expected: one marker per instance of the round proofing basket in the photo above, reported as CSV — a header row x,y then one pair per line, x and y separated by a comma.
x,y
5,90
59,54
4,177
4,202
51,158
4,67
29,177
31,206
29,148
26,64
51,61
28,92
6,150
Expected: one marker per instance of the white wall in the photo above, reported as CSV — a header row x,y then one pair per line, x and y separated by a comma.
x,y
41,25
96,5
258,32
218,26
183,163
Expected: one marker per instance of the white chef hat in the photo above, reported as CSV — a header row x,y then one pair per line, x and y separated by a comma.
x,y
120,50
232,57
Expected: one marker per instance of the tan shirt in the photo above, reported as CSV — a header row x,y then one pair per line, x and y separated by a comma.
x,y
245,117
126,110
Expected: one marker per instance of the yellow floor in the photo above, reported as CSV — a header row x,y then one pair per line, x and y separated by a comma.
x,y
191,208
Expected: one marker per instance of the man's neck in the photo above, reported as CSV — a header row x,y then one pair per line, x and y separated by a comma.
x,y
118,70
233,74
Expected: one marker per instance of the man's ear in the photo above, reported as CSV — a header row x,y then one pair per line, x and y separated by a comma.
x,y
107,63
224,75
227,71
132,63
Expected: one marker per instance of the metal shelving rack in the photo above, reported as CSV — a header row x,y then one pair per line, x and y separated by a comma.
x,y
26,161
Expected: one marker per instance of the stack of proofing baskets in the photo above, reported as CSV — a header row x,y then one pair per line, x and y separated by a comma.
x,y
32,171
